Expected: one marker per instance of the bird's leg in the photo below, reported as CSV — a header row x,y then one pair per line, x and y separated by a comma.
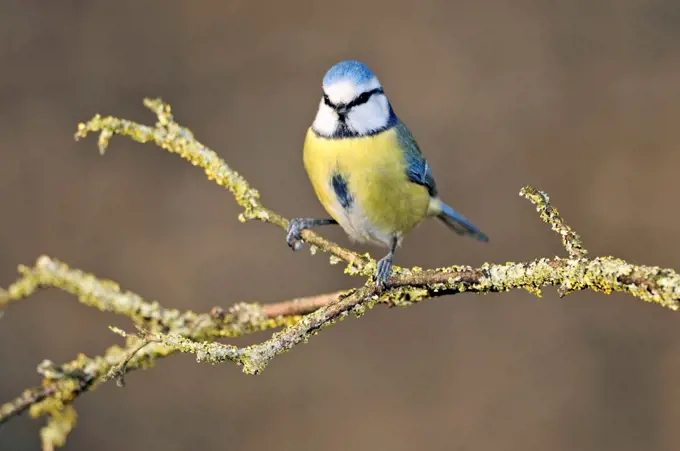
x,y
297,225
384,268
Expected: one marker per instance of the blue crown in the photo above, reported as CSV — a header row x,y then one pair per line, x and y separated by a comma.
x,y
354,71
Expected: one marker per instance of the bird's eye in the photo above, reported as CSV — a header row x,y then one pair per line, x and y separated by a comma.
x,y
363,98
327,101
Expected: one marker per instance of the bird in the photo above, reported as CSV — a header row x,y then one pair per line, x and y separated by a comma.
x,y
367,170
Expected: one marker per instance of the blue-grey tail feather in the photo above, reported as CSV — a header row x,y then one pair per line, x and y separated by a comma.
x,y
459,224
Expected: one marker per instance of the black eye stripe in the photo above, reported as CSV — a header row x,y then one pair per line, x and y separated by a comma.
x,y
363,98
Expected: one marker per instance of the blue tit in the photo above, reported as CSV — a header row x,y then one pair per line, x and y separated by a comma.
x,y
367,169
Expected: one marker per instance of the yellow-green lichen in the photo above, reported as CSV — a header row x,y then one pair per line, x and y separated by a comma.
x,y
550,215
59,425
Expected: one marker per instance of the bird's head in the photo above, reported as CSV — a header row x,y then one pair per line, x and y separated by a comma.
x,y
353,103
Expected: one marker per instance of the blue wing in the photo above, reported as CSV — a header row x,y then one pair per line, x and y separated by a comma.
x,y
417,169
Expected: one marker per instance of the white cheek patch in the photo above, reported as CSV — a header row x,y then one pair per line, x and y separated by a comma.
x,y
326,121
370,116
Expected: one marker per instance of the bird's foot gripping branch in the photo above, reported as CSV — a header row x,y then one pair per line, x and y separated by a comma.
x,y
161,332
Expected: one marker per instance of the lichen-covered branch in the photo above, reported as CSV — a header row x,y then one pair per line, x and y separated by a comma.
x,y
174,138
162,332
549,214
62,384
107,296
606,275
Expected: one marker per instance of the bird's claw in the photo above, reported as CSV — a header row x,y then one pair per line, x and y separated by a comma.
x,y
383,271
294,233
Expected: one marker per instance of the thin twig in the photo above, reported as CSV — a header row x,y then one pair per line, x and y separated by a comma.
x,y
300,306
118,372
22,402
549,214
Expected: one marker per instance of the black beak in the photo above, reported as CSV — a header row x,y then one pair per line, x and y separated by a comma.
x,y
341,110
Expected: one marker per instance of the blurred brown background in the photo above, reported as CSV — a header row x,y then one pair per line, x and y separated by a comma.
x,y
580,98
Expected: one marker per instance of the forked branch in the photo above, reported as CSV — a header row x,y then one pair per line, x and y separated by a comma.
x,y
162,332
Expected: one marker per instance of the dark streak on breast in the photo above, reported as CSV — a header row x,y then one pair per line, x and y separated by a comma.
x,y
341,191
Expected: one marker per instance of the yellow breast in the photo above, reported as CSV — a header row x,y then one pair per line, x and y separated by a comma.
x,y
384,203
